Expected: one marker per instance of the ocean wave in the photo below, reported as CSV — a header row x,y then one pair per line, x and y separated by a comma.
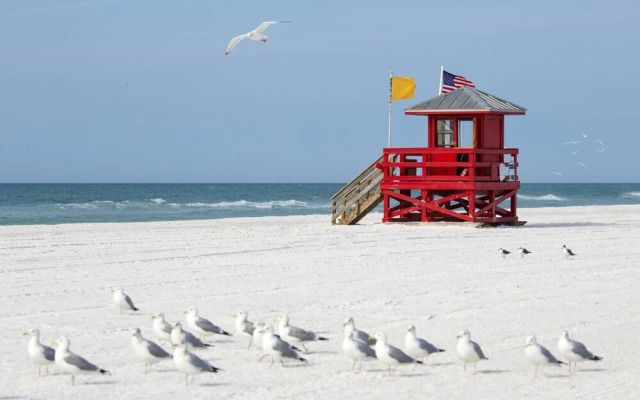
x,y
546,197
159,204
249,204
631,194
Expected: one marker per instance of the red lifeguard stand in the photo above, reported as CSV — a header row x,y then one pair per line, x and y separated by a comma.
x,y
465,173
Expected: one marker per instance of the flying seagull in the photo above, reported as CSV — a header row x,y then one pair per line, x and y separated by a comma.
x,y
580,163
558,173
572,142
256,34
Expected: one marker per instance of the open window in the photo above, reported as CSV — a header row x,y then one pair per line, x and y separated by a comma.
x,y
445,135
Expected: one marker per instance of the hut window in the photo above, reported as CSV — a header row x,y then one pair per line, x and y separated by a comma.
x,y
444,133
465,133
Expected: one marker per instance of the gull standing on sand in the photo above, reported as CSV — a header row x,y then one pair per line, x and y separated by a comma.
x,y
244,327
123,301
391,355
468,351
72,363
523,252
201,325
179,336
277,348
350,326
567,252
503,252
574,351
256,34
416,347
357,349
190,363
39,353
293,334
538,354
147,351
161,328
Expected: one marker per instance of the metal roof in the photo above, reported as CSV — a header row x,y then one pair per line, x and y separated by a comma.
x,y
468,99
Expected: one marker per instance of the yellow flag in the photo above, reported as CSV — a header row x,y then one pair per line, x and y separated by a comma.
x,y
402,88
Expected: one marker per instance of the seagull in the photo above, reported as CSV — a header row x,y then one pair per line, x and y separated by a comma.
x,y
416,347
503,252
294,334
244,327
584,135
356,349
538,354
558,173
257,334
567,251
202,326
573,152
256,34
179,335
277,348
601,150
573,142
574,351
147,351
122,300
161,328
350,326
599,142
39,353
523,252
580,163
73,363
391,355
468,351
190,363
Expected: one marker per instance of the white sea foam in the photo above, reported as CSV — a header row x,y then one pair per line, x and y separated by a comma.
x,y
249,204
158,201
631,194
546,197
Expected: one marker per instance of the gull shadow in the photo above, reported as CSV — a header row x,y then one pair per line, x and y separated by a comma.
x,y
211,384
321,352
557,376
222,341
589,370
491,371
566,224
441,364
100,383
408,375
301,365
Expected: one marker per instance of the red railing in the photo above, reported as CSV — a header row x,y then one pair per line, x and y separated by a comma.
x,y
424,164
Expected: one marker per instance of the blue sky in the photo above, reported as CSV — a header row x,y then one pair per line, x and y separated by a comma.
x,y
141,91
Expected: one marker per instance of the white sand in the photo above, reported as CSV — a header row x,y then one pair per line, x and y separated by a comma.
x,y
440,277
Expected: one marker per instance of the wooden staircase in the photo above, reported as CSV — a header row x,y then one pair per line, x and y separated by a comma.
x,y
358,197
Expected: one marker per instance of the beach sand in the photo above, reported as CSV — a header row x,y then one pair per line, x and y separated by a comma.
x,y
439,277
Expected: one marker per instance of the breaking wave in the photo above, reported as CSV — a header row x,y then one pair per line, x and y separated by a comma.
x,y
546,197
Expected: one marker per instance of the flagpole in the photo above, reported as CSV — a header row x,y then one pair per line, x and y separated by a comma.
x,y
390,90
441,73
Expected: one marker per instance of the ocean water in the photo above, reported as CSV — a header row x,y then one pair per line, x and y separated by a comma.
x,y
27,204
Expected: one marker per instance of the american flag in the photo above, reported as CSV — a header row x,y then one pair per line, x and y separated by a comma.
x,y
452,82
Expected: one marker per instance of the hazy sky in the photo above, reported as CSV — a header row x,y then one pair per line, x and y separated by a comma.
x,y
141,91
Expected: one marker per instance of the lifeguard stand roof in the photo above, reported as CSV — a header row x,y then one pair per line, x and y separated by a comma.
x,y
465,100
